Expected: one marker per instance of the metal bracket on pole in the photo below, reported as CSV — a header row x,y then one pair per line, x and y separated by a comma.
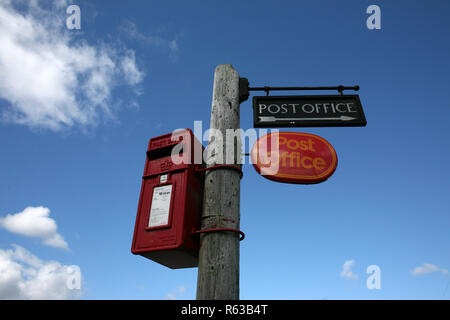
x,y
223,166
267,89
243,90
194,232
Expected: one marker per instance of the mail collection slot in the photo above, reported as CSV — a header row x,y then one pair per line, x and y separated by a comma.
x,y
170,202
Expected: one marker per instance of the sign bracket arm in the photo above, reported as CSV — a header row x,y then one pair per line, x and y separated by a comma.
x,y
244,89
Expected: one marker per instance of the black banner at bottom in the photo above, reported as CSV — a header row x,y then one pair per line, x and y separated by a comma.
x,y
242,309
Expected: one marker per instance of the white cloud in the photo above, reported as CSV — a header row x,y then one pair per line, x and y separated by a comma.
x,y
347,272
171,296
50,78
428,268
173,44
25,276
131,30
132,73
175,293
35,222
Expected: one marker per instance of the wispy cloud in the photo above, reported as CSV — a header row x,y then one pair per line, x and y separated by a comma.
x,y
176,292
347,272
51,79
170,43
428,268
35,222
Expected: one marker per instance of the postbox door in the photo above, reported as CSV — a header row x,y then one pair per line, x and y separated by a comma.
x,y
161,211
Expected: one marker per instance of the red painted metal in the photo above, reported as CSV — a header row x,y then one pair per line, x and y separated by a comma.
x,y
294,157
171,244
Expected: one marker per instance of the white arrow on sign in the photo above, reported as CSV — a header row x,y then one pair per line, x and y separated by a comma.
x,y
271,119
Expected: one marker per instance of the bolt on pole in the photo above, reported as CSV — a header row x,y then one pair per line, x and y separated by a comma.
x,y
218,267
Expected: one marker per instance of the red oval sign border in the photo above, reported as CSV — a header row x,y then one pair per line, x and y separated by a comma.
x,y
289,178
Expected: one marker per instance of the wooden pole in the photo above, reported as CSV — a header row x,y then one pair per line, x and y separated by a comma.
x,y
218,267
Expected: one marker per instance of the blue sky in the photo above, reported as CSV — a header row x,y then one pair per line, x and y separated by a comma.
x,y
73,140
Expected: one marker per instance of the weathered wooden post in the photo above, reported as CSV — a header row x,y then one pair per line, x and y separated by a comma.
x,y
218,268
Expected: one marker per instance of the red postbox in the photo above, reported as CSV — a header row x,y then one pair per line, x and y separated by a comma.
x,y
170,201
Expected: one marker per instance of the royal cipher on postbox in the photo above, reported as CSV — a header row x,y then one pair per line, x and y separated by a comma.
x,y
170,202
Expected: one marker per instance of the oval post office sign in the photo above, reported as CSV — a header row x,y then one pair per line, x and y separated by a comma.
x,y
294,157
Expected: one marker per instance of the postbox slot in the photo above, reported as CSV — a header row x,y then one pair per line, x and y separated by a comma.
x,y
162,152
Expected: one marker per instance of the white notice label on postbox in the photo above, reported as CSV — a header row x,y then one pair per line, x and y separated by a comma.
x,y
160,209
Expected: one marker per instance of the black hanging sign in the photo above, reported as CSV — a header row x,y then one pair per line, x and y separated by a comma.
x,y
308,111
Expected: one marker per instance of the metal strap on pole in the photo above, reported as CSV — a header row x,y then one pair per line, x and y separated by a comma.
x,y
221,229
